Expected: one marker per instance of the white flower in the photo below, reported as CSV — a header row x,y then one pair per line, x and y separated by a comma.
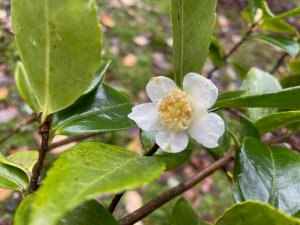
x,y
174,113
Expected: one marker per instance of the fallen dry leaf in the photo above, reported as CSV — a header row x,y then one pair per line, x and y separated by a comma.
x,y
3,93
141,40
8,114
107,21
5,194
129,60
129,2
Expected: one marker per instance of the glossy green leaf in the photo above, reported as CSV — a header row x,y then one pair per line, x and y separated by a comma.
x,y
172,160
259,82
231,94
60,47
277,120
104,109
98,77
295,66
246,128
90,212
23,211
24,161
24,87
285,99
12,178
15,170
290,81
293,12
89,170
287,45
269,174
255,213
184,214
192,25
279,26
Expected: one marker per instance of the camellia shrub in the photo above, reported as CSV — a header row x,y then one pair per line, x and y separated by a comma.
x,y
60,76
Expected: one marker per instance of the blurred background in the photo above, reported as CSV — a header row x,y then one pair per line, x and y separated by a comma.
x,y
137,38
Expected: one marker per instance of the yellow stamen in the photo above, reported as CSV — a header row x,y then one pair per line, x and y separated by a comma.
x,y
176,111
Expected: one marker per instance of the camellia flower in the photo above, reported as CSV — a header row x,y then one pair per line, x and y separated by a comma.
x,y
175,113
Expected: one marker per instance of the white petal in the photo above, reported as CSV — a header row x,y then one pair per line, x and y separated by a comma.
x,y
159,87
206,129
172,141
145,116
201,90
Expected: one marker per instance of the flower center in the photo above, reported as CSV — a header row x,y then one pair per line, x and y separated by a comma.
x,y
175,110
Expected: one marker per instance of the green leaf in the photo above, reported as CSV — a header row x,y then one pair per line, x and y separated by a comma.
x,y
293,12
192,24
89,170
184,214
231,94
259,82
98,77
279,26
295,66
277,120
12,178
24,87
269,174
290,81
15,170
255,213
90,212
287,45
104,109
60,47
246,128
23,211
284,99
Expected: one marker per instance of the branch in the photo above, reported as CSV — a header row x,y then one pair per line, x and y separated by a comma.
x,y
116,199
16,129
44,131
71,139
234,49
279,62
165,197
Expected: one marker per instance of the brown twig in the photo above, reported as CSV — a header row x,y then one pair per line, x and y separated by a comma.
x,y
26,121
116,199
165,197
234,48
279,62
71,139
44,131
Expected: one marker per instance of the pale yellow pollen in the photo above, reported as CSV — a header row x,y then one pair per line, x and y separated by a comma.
x,y
175,110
